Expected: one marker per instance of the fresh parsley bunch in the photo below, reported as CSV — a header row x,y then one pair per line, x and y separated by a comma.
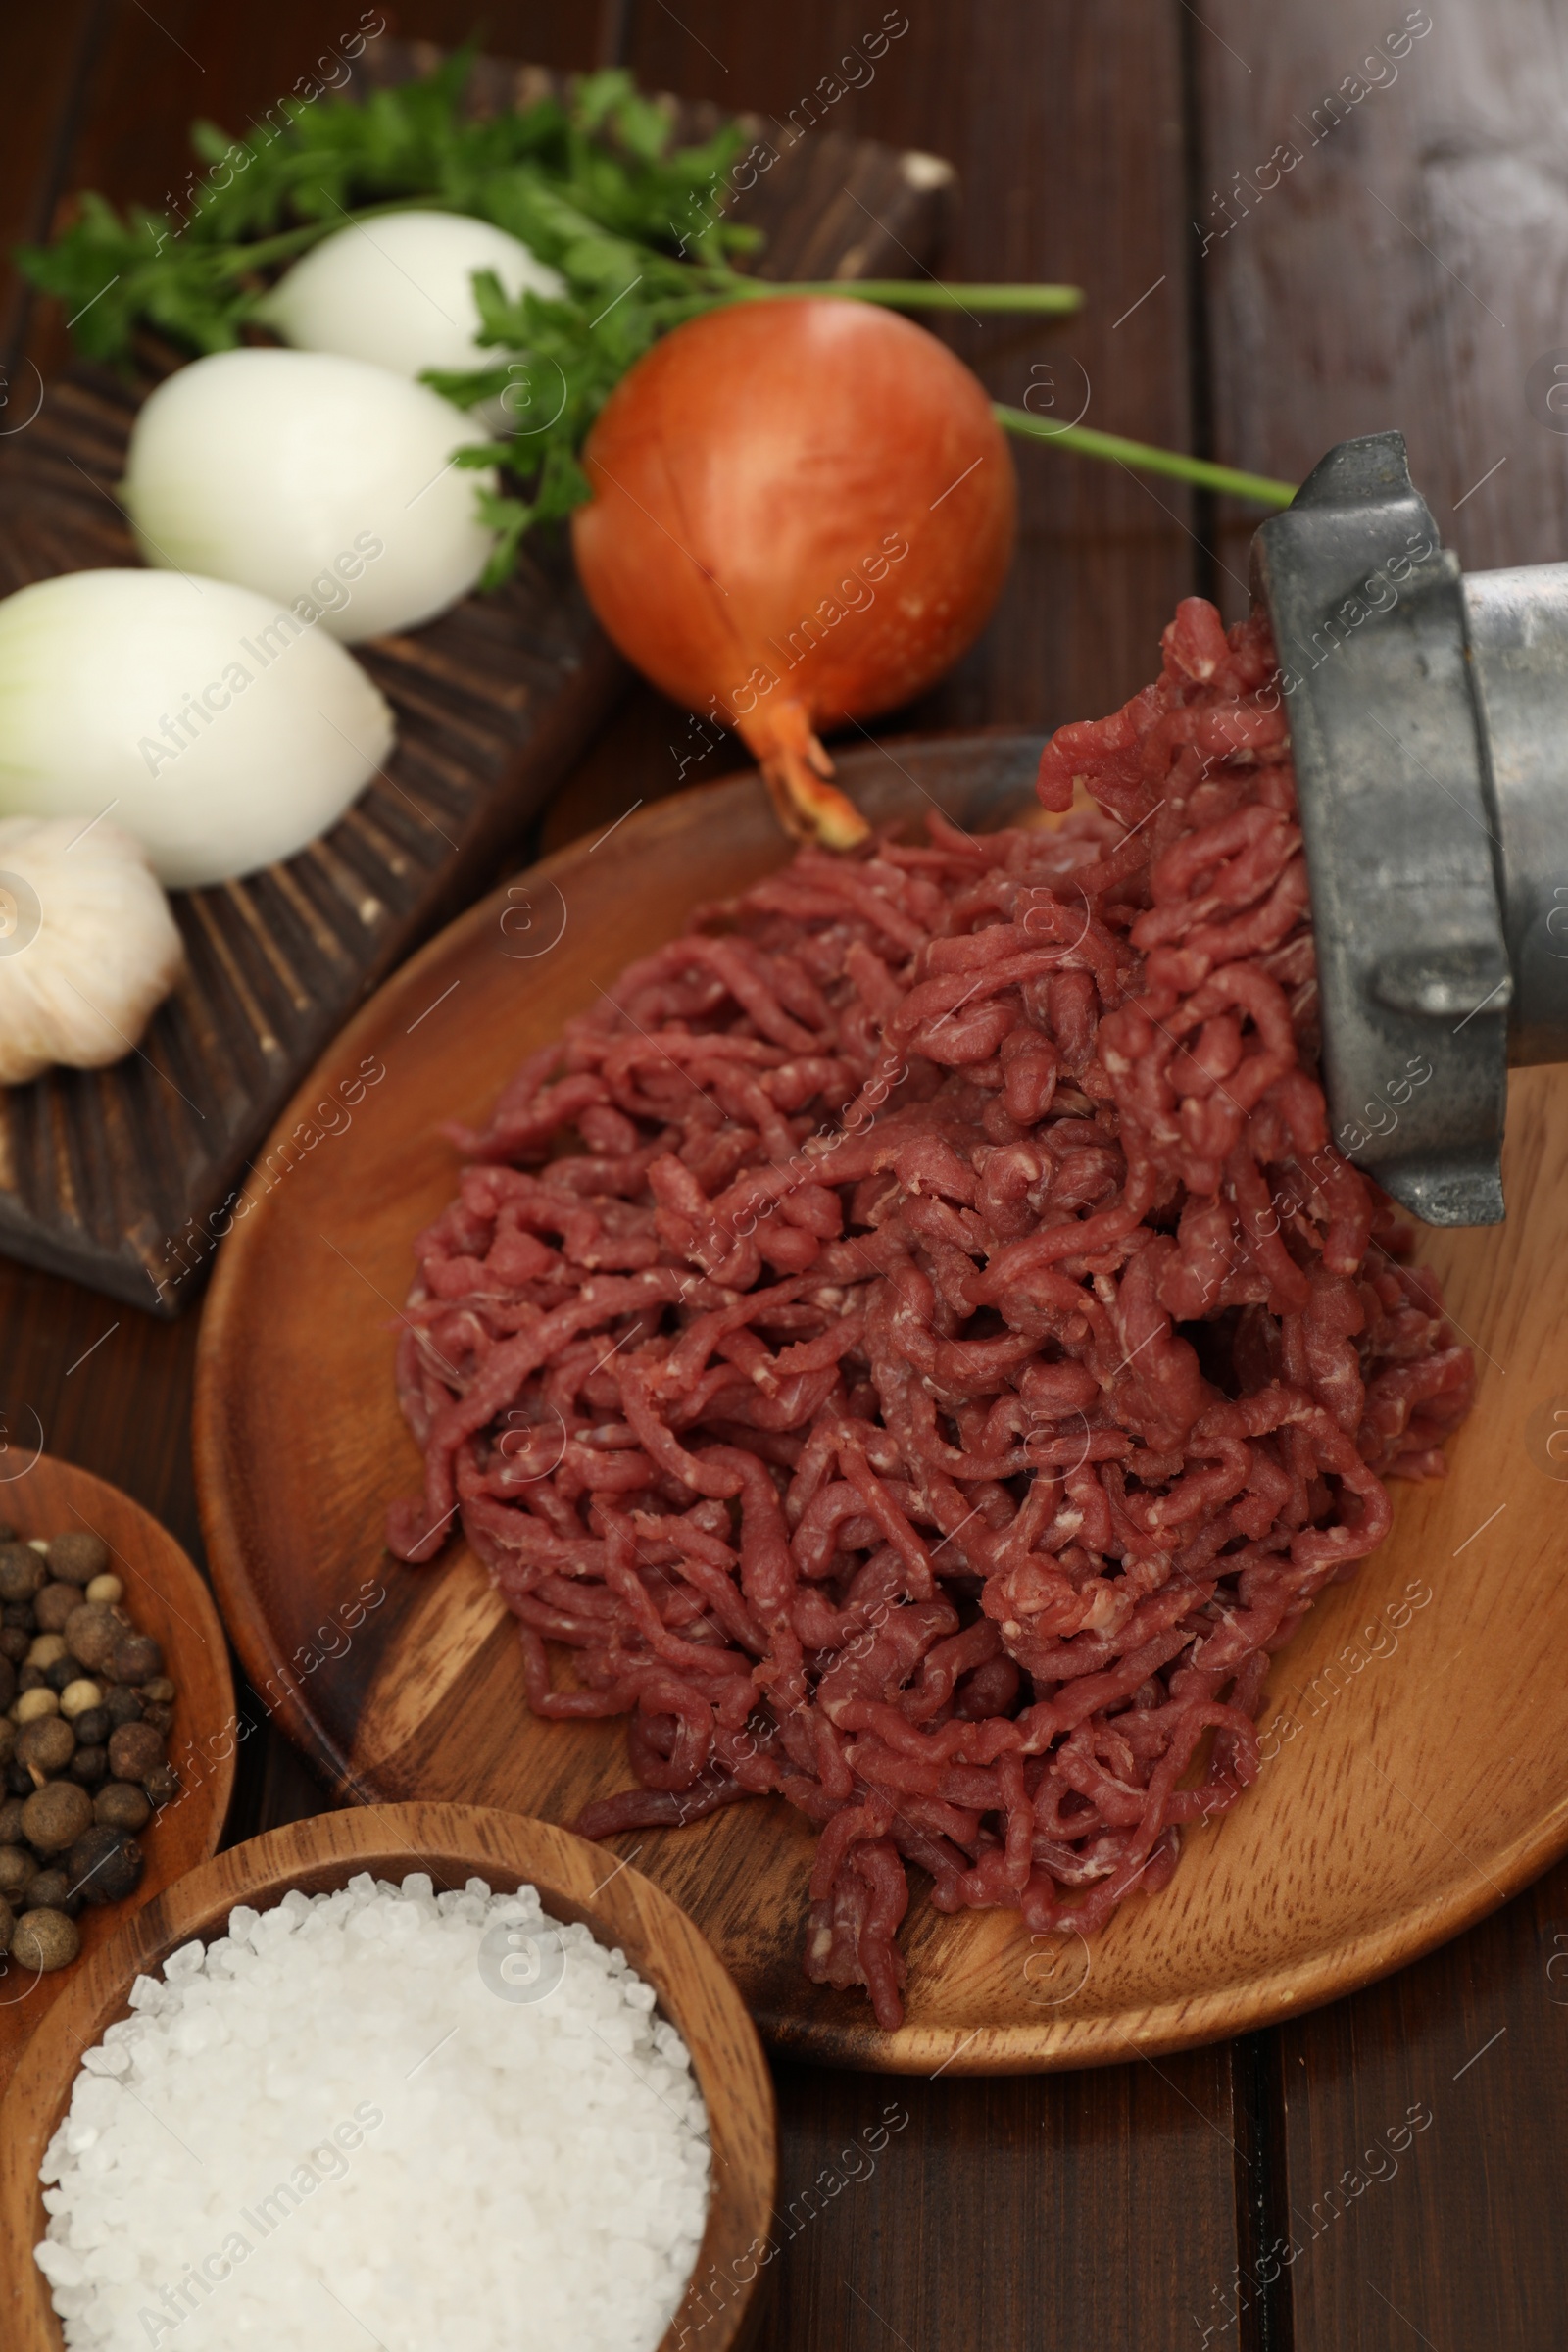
x,y
594,186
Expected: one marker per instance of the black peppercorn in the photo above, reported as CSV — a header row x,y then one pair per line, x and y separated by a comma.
x,y
78,1556
47,1887
162,1784
22,1571
123,1705
45,1939
46,1744
30,1678
135,1658
121,1805
105,1865
93,1633
65,1670
16,1639
54,1604
135,1750
93,1727
89,1766
54,1817
160,1717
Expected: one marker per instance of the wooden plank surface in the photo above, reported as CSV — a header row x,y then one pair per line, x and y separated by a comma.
x,y
1410,270
1127,2207
1410,267
48,53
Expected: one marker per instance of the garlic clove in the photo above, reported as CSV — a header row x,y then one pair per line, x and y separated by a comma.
x,y
88,946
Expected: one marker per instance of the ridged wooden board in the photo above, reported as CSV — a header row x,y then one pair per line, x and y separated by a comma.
x,y
1422,1782
576,1881
125,1177
167,1599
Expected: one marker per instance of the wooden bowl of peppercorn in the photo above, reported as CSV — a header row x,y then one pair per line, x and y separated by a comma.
x,y
118,1726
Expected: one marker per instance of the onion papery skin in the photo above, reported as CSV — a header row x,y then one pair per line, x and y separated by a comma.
x,y
803,513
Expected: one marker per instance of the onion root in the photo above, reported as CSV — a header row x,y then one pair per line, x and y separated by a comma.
x,y
795,766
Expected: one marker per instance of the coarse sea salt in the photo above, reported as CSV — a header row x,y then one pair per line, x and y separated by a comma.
x,y
442,2123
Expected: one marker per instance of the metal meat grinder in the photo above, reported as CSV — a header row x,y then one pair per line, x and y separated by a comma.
x,y
1429,723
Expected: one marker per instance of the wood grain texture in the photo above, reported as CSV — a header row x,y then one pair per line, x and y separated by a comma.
x,y
47,55
1353,1854
1410,270
1477,2038
126,1177
1020,2213
453,1843
167,1599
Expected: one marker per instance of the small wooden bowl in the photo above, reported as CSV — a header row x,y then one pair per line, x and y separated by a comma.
x,y
576,1880
167,1599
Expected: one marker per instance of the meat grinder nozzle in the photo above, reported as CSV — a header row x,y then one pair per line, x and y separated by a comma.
x,y
1429,724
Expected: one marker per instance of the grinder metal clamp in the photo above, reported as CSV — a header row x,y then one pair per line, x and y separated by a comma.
x,y
1429,725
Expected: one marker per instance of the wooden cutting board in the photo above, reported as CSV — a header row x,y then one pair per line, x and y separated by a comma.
x,y
1413,1733
126,1178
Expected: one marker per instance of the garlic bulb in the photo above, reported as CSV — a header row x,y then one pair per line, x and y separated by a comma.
x,y
399,290
223,732
324,482
88,947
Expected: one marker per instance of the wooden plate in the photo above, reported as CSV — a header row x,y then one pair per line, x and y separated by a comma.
x,y
453,1842
1414,1731
163,1594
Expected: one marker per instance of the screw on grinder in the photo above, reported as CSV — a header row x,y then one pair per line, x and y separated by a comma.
x,y
1429,727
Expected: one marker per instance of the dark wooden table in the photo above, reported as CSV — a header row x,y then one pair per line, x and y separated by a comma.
x,y
1294,225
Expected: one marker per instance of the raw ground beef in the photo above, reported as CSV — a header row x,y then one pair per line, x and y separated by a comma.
x,y
915,1347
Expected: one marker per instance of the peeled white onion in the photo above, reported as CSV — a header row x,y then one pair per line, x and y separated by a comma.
x,y
399,290
322,483
216,728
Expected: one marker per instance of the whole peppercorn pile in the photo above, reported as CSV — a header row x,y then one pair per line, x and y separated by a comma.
x,y
86,1712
